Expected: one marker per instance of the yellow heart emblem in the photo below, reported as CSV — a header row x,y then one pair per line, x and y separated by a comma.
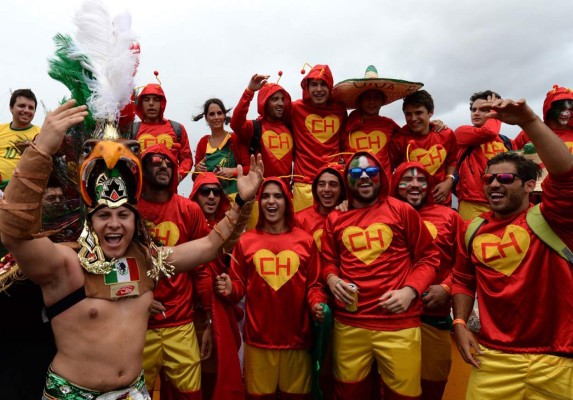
x,y
317,235
322,128
569,146
279,144
166,232
502,254
432,228
276,269
367,244
491,149
146,140
432,158
373,141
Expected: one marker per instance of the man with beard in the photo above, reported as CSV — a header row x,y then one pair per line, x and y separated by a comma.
x,y
172,219
525,345
277,267
413,184
378,259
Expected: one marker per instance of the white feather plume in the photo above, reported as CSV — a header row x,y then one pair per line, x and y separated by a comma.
x,y
106,43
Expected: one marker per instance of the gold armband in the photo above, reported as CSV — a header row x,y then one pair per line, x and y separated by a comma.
x,y
237,226
21,207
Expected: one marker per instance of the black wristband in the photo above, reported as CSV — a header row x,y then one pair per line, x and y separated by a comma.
x,y
239,200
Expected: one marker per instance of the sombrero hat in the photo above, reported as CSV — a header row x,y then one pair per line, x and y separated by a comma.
x,y
348,91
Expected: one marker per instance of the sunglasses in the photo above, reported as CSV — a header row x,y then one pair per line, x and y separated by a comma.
x,y
157,160
356,173
504,178
206,191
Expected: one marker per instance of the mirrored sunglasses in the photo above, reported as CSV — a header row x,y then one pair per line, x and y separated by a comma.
x,y
504,178
157,160
356,173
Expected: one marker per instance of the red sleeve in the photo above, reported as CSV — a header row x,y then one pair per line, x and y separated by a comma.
x,y
242,127
185,156
315,287
464,276
203,283
452,150
397,150
200,152
329,253
521,140
457,225
241,152
557,205
469,135
238,274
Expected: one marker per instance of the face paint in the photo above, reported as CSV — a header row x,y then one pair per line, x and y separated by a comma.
x,y
365,188
412,187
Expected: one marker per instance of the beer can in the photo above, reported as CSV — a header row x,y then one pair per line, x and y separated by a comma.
x,y
353,307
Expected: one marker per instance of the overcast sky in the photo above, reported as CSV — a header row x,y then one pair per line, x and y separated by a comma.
x,y
210,48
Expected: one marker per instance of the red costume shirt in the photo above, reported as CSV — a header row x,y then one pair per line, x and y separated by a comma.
x,y
485,143
276,139
316,130
311,221
523,286
564,134
379,248
372,134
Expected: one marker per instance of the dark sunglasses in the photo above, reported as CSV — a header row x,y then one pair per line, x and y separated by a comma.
x,y
157,160
356,173
206,191
504,178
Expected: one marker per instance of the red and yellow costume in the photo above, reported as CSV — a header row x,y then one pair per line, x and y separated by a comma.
x,y
316,132
162,132
379,248
280,276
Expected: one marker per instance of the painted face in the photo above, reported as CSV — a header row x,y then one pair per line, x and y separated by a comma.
x,y
318,91
328,191
363,179
505,198
561,112
158,171
215,117
23,112
413,187
370,103
273,203
115,228
151,105
209,197
417,119
478,110
274,106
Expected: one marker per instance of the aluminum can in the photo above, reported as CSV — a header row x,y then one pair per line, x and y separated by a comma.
x,y
353,307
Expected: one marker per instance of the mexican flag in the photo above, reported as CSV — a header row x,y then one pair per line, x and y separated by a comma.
x,y
125,270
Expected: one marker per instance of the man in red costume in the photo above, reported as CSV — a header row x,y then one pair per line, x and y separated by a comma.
x,y
557,114
221,375
477,143
172,219
155,129
416,141
317,122
524,349
327,192
277,267
275,141
413,184
382,246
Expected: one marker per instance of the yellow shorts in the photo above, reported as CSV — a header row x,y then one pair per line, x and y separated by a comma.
x,y
436,353
177,352
397,354
302,196
507,376
266,370
468,210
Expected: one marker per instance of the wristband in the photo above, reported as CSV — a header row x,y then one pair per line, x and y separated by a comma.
x,y
451,176
239,200
459,321
446,288
209,322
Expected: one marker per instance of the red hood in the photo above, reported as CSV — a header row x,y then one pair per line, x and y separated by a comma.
x,y
556,94
152,88
267,91
317,72
400,171
384,187
162,149
209,178
336,169
289,214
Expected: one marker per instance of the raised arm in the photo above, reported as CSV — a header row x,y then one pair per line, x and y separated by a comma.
x,y
549,146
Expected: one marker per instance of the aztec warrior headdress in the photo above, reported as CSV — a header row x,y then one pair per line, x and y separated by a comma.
x,y
98,66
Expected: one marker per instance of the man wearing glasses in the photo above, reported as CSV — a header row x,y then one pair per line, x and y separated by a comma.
x,y
525,345
378,259
173,219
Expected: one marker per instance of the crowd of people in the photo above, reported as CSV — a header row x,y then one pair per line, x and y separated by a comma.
x,y
301,215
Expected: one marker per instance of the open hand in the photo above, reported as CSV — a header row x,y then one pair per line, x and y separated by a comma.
x,y
250,183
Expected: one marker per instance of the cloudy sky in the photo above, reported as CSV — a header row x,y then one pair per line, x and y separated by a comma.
x,y
210,48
